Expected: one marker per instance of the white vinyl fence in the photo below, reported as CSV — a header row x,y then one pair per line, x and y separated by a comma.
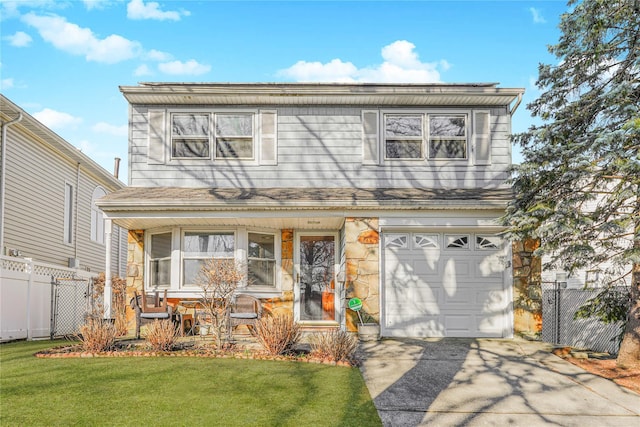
x,y
40,300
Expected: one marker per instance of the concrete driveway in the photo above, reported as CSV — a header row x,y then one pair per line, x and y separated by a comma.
x,y
488,382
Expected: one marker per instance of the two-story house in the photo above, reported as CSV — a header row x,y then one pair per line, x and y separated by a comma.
x,y
386,192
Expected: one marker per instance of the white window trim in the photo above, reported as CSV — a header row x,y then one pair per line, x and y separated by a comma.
x,y
97,217
147,258
467,160
466,138
183,231
277,242
188,161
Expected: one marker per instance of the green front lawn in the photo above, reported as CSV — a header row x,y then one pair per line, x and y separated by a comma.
x,y
175,391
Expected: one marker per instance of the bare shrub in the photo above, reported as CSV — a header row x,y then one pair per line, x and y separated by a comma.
x,y
278,334
119,300
334,345
97,335
161,335
218,279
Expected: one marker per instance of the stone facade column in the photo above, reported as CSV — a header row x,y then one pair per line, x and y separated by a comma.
x,y
135,271
363,267
527,288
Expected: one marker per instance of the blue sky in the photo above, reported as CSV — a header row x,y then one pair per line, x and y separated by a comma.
x,y
62,61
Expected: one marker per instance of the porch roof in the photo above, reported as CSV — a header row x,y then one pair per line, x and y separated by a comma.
x,y
146,207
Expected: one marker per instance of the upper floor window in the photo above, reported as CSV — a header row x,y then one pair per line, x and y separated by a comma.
x,y
443,137
234,136
447,136
97,217
192,135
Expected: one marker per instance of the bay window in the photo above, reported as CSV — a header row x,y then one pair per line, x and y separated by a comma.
x,y
200,246
160,260
261,260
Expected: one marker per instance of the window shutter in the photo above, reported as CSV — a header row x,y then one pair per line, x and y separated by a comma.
x,y
482,137
370,140
156,148
268,137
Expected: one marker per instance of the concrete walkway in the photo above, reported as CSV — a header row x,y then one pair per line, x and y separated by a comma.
x,y
488,382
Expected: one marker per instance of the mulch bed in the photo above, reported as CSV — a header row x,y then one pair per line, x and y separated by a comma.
x,y
234,352
607,368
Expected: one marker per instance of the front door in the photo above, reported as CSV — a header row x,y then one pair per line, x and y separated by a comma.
x,y
315,287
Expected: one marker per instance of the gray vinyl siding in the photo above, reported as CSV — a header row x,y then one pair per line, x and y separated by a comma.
x,y
34,204
321,147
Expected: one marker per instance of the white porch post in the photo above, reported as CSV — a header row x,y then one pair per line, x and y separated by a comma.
x,y
107,269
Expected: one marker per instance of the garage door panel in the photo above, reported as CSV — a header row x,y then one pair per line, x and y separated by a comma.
x,y
455,291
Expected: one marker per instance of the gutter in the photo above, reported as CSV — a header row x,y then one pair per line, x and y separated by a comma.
x,y
3,175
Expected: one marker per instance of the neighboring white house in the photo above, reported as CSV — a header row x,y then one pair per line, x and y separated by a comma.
x,y
50,225
386,192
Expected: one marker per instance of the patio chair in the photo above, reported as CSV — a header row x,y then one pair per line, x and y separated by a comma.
x,y
149,309
244,310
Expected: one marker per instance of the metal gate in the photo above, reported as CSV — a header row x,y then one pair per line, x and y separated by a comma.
x,y
71,302
559,327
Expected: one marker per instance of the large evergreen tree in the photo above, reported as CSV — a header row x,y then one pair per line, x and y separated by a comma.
x,y
578,187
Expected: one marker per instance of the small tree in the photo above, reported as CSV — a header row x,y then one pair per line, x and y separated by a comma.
x,y
218,279
578,188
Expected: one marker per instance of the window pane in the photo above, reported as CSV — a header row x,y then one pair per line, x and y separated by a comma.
x,y
161,245
261,245
403,125
209,245
234,125
261,272
447,126
190,148
191,270
234,148
161,273
190,124
447,149
397,149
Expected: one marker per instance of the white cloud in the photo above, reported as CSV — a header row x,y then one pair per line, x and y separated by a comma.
x,y
401,65
56,119
103,127
19,39
6,83
75,40
143,70
537,16
156,55
96,4
191,67
137,9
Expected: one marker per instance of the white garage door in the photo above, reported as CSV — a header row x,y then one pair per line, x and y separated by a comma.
x,y
444,285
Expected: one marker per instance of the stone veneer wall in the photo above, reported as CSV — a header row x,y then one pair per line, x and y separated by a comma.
x,y
527,290
135,270
363,267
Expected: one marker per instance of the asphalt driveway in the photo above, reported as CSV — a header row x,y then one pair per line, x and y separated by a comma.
x,y
486,382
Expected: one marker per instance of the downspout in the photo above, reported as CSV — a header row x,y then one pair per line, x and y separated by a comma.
x,y
75,216
3,176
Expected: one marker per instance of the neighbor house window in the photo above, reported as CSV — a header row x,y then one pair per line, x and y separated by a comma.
x,y
234,136
97,217
68,213
403,136
190,136
261,260
160,260
197,247
447,136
